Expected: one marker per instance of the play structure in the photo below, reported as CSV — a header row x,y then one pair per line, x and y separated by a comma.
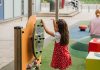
x,y
29,41
38,39
28,45
86,46
82,27
81,39
93,61
93,58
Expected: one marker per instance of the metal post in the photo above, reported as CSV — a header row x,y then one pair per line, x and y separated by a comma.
x,y
29,8
13,10
17,48
57,10
22,11
81,7
88,8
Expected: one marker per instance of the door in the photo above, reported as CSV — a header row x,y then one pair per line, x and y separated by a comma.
x,y
1,9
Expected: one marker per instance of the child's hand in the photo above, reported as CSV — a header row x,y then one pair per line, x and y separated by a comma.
x,y
42,22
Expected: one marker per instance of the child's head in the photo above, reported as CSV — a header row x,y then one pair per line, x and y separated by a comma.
x,y
97,13
63,30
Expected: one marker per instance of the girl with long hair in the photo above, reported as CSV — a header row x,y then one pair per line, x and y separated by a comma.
x,y
61,58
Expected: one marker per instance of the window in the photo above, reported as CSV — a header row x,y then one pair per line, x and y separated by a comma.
x,y
0,2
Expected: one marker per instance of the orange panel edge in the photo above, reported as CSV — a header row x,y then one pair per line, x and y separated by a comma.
x,y
27,53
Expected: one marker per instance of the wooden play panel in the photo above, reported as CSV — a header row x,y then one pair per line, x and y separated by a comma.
x,y
28,43
27,53
38,39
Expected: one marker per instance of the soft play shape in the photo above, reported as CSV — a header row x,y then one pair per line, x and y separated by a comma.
x,y
83,27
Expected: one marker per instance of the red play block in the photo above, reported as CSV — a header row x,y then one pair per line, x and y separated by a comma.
x,y
94,45
82,27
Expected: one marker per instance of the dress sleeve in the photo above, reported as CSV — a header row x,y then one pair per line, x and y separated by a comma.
x,y
57,37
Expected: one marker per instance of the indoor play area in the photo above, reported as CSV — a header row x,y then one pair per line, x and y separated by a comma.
x,y
31,48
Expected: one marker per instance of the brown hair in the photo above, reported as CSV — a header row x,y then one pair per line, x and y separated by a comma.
x,y
63,30
97,12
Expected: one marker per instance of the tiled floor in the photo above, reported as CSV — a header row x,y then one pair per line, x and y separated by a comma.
x,y
7,40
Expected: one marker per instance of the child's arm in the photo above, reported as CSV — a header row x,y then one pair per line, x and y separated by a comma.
x,y
47,30
55,26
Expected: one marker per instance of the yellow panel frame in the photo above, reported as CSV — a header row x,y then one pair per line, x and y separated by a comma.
x,y
27,53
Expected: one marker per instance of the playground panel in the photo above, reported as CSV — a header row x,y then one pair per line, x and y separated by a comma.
x,y
27,53
38,36
28,44
32,43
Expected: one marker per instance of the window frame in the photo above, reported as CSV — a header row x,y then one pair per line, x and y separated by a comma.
x,y
1,2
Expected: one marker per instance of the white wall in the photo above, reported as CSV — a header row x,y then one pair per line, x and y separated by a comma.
x,y
8,9
45,7
25,7
17,8
33,6
38,6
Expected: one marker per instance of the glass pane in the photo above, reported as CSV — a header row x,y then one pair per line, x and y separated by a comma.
x,y
0,2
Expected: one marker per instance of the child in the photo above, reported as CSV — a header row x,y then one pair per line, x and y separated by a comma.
x,y
61,58
95,24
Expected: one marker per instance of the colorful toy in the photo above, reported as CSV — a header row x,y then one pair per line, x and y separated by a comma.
x,y
93,61
37,45
94,45
83,27
38,39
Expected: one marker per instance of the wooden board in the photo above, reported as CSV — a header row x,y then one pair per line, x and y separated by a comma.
x,y
27,53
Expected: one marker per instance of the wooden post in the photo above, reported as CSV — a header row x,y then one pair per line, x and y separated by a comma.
x,y
17,48
57,10
29,8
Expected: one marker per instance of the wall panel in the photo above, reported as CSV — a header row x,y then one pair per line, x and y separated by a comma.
x,y
8,9
25,7
17,8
